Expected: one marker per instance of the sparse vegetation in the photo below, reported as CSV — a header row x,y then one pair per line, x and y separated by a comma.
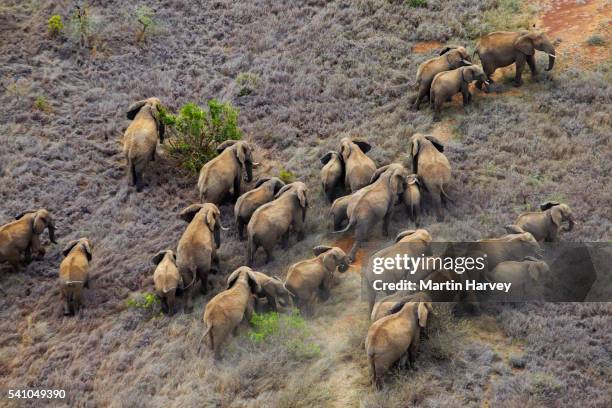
x,y
195,132
286,175
596,40
55,25
246,82
146,301
41,104
145,16
417,3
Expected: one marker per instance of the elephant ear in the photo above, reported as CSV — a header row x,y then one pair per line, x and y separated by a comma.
x,y
87,246
212,215
18,216
234,277
69,247
242,152
161,126
524,44
40,222
378,172
188,213
363,145
549,204
467,74
414,152
158,257
278,184
301,195
534,271
422,312
454,58
437,144
556,215
261,181
397,183
225,145
404,234
513,229
282,190
133,109
327,157
318,250
446,49
253,283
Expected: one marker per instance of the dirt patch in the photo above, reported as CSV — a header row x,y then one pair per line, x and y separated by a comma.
x,y
423,47
443,130
345,243
573,23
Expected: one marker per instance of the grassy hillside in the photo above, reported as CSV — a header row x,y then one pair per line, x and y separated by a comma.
x,y
321,70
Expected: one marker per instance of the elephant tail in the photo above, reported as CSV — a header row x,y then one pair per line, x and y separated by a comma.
x,y
206,332
350,225
446,196
372,369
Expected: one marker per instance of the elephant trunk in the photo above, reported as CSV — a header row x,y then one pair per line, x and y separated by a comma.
x,y
550,50
248,168
51,228
570,224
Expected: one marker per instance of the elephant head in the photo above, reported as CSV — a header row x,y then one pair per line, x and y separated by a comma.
x,y
528,42
209,214
456,56
383,169
559,213
537,269
348,146
420,140
245,274
332,257
331,155
473,73
84,243
243,152
41,220
154,108
424,308
414,236
162,254
275,182
300,190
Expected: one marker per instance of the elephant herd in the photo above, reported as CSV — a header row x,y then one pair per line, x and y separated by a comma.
x,y
439,79
361,195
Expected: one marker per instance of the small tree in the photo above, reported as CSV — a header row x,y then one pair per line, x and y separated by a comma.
x,y
195,132
55,25
146,17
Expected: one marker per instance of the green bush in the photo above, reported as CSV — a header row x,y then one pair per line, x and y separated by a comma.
x,y
196,132
417,3
286,176
247,82
55,25
41,104
148,301
146,17
264,326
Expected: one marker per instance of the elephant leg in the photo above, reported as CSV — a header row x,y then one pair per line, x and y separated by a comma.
x,y
272,303
163,304
188,300
423,92
170,302
203,281
385,224
285,240
353,252
520,64
371,297
532,66
241,227
269,255
214,267
237,187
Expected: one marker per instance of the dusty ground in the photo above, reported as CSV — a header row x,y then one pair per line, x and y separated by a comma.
x,y
325,69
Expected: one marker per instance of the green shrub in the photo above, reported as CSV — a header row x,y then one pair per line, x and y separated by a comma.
x,y
146,17
148,301
41,104
247,82
596,40
264,326
286,176
196,132
55,25
417,3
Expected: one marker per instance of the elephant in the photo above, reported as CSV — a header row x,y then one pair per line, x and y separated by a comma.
x,y
167,280
264,191
412,198
451,57
273,289
338,211
374,203
448,83
220,177
432,168
386,305
358,168
20,239
525,276
273,221
196,253
332,174
74,273
224,312
545,225
141,137
412,243
314,277
395,338
502,48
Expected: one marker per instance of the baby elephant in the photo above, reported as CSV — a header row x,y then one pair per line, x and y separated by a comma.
x,y
386,305
273,290
264,192
332,174
395,337
167,279
412,198
545,225
525,276
448,83
314,277
140,139
225,311
74,273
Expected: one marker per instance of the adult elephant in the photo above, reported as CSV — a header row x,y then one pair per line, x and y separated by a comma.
x,y
514,246
332,174
272,222
20,239
502,48
264,191
545,225
358,167
221,177
449,83
374,203
451,57
432,168
412,243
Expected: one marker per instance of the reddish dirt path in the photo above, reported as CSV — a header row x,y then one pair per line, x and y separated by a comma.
x,y
422,47
573,23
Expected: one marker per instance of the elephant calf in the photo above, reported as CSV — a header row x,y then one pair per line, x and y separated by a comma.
x,y
273,290
264,192
524,276
314,277
388,304
74,273
20,239
167,280
446,84
412,198
221,177
272,222
450,58
196,253
332,174
358,168
395,337
545,225
224,312
140,138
